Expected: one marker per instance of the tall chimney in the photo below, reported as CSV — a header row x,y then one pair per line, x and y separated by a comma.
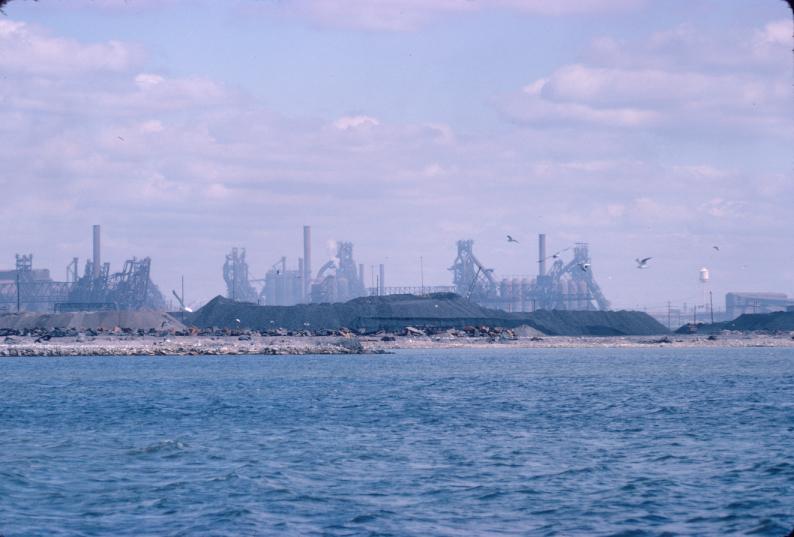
x,y
542,254
361,274
307,260
381,284
97,262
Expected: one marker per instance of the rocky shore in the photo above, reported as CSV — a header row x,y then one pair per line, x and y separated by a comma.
x,y
119,344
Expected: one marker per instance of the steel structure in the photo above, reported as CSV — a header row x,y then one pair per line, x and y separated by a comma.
x,y
29,289
471,278
235,274
130,289
344,283
568,286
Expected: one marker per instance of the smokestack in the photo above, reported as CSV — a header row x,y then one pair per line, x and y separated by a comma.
x,y
381,285
542,254
307,260
361,273
97,262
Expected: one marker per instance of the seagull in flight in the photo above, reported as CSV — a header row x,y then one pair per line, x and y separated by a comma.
x,y
716,248
643,263
511,239
555,255
584,266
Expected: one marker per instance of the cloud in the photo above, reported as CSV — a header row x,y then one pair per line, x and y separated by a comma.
x,y
183,167
30,50
404,15
660,88
355,122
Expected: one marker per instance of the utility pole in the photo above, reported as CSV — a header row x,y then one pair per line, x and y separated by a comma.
x,y
669,326
18,300
183,299
422,274
711,305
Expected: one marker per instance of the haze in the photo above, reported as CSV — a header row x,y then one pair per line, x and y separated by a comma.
x,y
644,128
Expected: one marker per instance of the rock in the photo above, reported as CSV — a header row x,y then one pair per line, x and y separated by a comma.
x,y
411,331
351,344
392,338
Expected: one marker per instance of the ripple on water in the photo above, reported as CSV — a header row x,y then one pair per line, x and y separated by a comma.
x,y
514,442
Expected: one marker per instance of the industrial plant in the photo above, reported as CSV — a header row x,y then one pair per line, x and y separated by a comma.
x,y
29,289
338,280
564,280
565,286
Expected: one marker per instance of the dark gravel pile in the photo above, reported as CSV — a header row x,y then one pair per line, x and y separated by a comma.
x,y
85,320
394,313
781,321
595,323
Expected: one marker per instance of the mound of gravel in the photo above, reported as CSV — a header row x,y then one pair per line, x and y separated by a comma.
x,y
396,312
595,323
84,320
781,321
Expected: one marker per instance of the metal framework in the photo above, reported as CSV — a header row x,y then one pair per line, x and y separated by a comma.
x,y
130,289
235,274
470,277
567,286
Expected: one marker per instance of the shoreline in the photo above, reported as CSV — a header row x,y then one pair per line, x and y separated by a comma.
x,y
126,345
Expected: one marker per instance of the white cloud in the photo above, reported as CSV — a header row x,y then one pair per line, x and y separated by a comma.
x,y
200,161
660,87
402,15
27,49
355,122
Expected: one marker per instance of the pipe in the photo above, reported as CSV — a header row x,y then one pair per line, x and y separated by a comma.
x,y
307,260
97,259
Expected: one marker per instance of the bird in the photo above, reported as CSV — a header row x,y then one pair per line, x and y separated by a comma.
x,y
555,255
237,321
511,239
643,263
120,138
584,266
716,248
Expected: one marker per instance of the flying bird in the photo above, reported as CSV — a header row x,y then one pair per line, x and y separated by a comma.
x,y
511,239
120,138
584,266
643,263
716,248
554,255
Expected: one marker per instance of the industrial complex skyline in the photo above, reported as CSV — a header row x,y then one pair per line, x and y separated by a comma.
x,y
404,127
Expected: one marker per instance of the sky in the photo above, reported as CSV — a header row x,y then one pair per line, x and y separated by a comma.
x,y
644,128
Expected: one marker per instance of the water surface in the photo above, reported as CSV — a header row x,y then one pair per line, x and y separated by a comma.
x,y
502,442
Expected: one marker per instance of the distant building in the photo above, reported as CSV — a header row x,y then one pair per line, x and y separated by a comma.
x,y
739,303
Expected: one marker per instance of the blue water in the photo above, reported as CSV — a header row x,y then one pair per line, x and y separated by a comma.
x,y
503,442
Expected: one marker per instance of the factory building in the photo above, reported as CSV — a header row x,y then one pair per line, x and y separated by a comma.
x,y
740,303
565,286
29,289
338,280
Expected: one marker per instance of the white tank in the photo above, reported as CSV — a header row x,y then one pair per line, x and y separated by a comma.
x,y
704,275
